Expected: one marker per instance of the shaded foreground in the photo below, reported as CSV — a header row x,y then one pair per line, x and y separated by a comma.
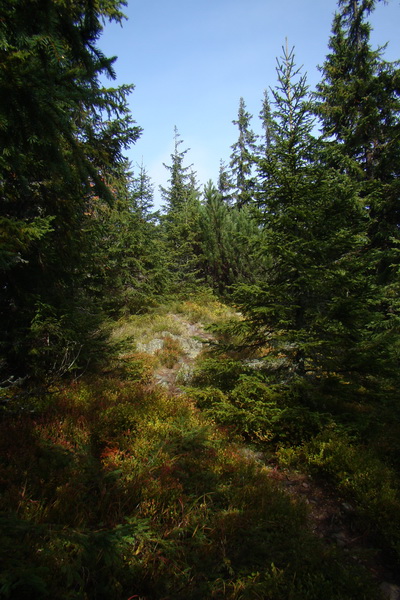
x,y
114,487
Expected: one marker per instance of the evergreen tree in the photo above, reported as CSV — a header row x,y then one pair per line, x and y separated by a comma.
x,y
242,158
180,221
176,194
225,185
309,305
130,267
230,240
62,135
143,192
267,125
215,239
359,105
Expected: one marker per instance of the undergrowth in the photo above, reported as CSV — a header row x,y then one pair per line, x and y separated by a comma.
x,y
113,489
336,432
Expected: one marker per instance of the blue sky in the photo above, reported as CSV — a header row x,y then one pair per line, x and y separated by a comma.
x,y
191,61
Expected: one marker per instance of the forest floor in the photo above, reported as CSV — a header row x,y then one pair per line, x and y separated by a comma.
x,y
330,517
126,482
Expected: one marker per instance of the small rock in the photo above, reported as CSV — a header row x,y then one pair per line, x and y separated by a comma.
x,y
347,507
390,591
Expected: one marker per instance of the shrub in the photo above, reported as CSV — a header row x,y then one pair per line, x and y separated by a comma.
x,y
169,354
359,476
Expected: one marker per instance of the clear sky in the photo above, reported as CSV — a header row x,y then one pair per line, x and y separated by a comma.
x,y
192,60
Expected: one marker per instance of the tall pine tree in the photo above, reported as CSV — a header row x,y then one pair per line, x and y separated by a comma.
x,y
308,306
63,136
359,105
243,158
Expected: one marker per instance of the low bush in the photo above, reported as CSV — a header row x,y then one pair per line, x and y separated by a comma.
x,y
169,354
359,476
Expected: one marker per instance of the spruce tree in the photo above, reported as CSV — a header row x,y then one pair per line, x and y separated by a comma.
x,y
129,260
225,184
243,158
359,106
142,192
180,221
309,304
230,241
63,136
266,121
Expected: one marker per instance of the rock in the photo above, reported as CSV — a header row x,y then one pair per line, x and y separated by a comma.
x,y
184,374
251,455
190,347
150,347
390,591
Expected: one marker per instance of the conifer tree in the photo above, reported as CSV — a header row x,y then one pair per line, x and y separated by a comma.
x,y
359,104
214,243
243,157
230,240
308,305
225,184
266,121
180,221
129,257
63,136
142,192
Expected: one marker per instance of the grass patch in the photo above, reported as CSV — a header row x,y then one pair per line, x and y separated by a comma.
x,y
144,328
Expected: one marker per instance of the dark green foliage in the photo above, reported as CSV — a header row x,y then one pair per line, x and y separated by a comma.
x,y
335,432
230,239
310,304
63,135
180,223
360,476
242,158
116,487
359,104
128,261
219,372
242,396
359,93
267,124
225,184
